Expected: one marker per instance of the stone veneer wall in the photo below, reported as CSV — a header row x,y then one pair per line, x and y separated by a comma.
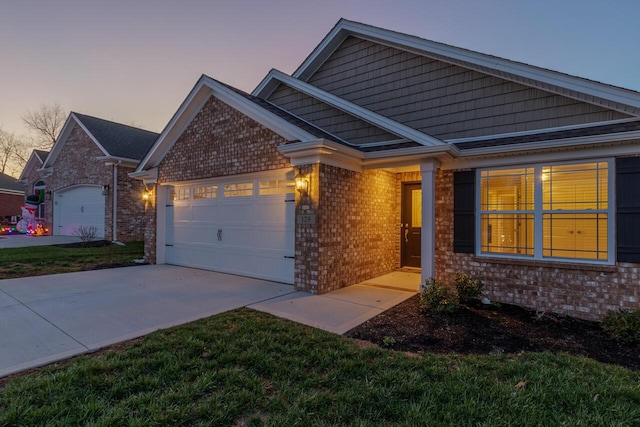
x,y
355,234
579,290
219,141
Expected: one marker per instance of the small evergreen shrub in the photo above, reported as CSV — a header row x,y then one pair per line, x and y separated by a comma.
x,y
468,289
436,297
623,325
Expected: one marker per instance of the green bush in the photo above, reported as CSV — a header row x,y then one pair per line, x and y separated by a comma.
x,y
623,325
467,288
436,297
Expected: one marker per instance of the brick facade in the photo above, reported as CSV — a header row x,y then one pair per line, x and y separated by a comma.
x,y
76,165
355,235
579,290
10,205
219,141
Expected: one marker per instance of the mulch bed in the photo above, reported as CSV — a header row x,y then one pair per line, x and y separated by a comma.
x,y
492,329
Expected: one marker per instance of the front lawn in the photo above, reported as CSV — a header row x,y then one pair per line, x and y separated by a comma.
x,y
39,260
250,368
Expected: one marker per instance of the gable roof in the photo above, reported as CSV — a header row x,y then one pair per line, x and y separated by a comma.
x,y
589,91
113,139
9,184
269,115
371,117
36,160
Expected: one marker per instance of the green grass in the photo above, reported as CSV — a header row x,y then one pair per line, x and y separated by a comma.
x,y
39,260
250,368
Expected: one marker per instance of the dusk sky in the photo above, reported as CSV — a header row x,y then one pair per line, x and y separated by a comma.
x,y
134,61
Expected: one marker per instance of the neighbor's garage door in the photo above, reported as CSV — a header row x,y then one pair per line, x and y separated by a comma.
x,y
244,226
78,207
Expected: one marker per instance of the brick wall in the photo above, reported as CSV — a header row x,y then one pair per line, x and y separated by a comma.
x,y
130,216
76,165
579,290
219,141
355,236
10,205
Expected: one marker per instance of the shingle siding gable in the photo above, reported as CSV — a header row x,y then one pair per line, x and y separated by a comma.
x,y
443,100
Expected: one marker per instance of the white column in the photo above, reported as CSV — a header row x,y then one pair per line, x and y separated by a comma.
x,y
428,170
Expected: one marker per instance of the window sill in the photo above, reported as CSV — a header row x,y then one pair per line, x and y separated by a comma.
x,y
548,264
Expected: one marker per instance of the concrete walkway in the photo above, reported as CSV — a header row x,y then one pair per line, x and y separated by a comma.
x,y
48,318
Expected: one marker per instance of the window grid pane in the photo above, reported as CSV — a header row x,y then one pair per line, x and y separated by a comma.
x,y
507,234
242,189
575,236
571,212
279,186
205,192
179,193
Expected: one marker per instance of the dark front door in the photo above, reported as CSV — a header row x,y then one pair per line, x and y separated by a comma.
x,y
411,229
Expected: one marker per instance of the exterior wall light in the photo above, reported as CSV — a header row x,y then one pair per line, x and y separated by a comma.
x,y
47,195
146,196
105,190
302,184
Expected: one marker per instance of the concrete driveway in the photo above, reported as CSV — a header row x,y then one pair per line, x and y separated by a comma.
x,y
49,318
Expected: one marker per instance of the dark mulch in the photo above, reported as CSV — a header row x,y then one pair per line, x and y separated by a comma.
x,y
492,329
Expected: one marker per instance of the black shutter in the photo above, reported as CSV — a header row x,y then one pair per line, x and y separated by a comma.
x,y
628,209
464,218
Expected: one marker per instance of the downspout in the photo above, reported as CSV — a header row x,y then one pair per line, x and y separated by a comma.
x,y
115,200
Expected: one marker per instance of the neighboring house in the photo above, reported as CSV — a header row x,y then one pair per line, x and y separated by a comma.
x,y
85,179
31,179
406,153
11,198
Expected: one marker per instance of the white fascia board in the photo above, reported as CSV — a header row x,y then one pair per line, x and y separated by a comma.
x,y
62,138
192,104
123,161
557,155
364,114
322,151
550,153
148,176
33,159
486,63
408,156
539,131
93,138
266,118
11,192
328,152
552,144
199,95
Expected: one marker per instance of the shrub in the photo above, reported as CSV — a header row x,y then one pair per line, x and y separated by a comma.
x,y
467,288
436,297
86,233
623,325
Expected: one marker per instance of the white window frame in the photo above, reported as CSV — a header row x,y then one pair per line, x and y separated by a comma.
x,y
538,214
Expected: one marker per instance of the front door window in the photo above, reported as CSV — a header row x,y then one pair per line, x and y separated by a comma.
x,y
411,230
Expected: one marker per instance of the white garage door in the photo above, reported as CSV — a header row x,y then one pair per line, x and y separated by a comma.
x,y
78,207
244,226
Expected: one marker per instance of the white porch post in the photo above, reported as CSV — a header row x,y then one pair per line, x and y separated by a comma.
x,y
428,170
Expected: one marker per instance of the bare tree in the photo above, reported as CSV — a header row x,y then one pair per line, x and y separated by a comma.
x,y
13,152
46,122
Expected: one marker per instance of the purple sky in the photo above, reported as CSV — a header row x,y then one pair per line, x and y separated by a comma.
x,y
134,61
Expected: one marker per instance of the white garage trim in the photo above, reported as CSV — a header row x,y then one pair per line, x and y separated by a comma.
x,y
241,224
76,207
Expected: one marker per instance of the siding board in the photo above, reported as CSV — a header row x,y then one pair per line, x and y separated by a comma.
x,y
441,99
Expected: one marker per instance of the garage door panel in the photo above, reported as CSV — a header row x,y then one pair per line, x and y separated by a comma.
x,y
74,208
246,235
